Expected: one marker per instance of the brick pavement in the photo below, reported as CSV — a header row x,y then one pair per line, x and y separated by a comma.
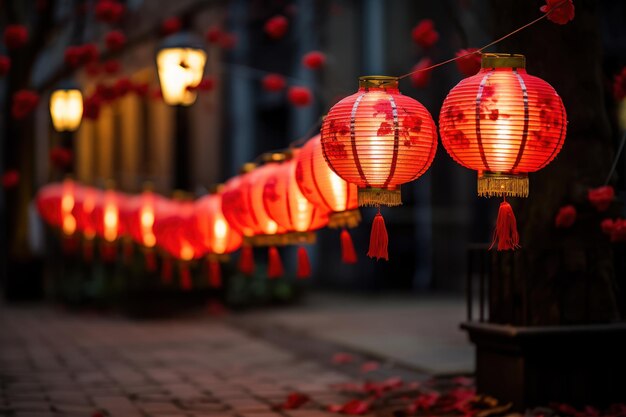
x,y
55,364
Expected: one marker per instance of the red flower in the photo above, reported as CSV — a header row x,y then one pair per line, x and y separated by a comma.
x,y
352,407
273,82
115,40
276,27
5,65
93,69
618,234
15,36
89,52
141,89
340,358
421,78
109,11
424,33
10,178
171,25
24,102
470,64
299,96
106,93
369,366
314,60
61,157
559,11
619,85
294,400
601,197
213,35
206,84
423,402
122,87
228,40
607,226
91,107
72,56
565,217
111,66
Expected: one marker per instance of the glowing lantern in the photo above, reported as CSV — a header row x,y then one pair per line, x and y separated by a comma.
x,y
218,237
286,204
379,139
503,123
177,234
55,203
66,108
107,224
180,63
84,205
243,207
322,187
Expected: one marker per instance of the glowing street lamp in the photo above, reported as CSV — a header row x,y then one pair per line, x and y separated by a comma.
x,y
180,63
66,108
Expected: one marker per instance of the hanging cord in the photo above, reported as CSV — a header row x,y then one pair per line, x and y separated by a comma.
x,y
616,159
479,50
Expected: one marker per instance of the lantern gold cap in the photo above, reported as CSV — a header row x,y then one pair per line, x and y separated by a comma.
x,y
503,61
248,167
277,156
378,81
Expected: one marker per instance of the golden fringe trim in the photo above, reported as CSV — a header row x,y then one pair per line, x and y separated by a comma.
x,y
502,184
283,239
341,219
372,197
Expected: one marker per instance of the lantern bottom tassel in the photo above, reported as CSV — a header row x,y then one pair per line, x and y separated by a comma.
x,y
215,274
348,254
304,266
505,236
274,264
185,277
246,260
378,239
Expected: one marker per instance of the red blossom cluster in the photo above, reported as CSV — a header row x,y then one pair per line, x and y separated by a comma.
x,y
78,55
109,11
299,96
619,85
61,157
559,11
293,401
5,65
276,27
107,93
566,217
115,40
213,35
10,179
15,36
615,229
421,78
314,60
468,65
171,25
24,102
273,82
601,197
111,66
424,33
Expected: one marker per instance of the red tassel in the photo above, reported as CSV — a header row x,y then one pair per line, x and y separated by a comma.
x,y
505,235
127,252
378,239
246,260
215,274
185,277
304,266
274,264
167,270
88,250
150,259
348,254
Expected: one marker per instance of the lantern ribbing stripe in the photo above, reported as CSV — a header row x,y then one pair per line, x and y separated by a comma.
x,y
396,141
355,153
479,139
525,130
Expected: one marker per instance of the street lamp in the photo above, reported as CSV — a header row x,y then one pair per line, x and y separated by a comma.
x,y
180,64
66,107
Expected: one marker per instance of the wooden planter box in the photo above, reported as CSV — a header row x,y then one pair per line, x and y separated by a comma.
x,y
534,366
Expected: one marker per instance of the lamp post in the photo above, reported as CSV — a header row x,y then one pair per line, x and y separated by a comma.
x,y
180,63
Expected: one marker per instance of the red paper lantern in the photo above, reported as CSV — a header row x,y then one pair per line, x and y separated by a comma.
x,y
378,139
106,220
503,123
322,187
218,236
84,205
55,203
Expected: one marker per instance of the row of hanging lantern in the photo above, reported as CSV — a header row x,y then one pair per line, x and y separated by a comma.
x,y
501,122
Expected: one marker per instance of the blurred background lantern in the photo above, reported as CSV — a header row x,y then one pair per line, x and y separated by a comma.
x,y
378,139
218,237
180,64
106,221
503,123
66,107
55,203
322,187
286,204
84,204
